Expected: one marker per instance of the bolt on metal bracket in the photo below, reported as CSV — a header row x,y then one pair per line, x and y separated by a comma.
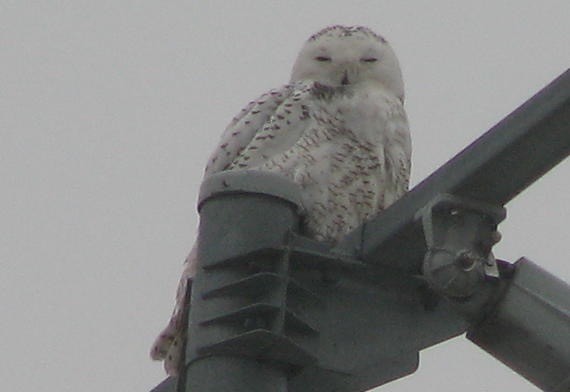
x,y
459,234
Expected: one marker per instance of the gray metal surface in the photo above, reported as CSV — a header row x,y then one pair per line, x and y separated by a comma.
x,y
249,181
493,169
239,316
168,385
529,330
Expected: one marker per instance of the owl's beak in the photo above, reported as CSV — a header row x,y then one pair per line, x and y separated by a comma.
x,y
345,80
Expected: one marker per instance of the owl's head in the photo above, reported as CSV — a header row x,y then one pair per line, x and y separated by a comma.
x,y
349,55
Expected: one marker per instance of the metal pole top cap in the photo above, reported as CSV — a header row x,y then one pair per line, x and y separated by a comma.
x,y
250,181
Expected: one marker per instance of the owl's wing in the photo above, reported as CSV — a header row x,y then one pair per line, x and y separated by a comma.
x,y
284,127
397,154
245,126
272,122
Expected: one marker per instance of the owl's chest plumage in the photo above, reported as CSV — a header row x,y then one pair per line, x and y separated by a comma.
x,y
338,150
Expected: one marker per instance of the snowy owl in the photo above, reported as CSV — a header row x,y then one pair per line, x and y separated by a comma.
x,y
338,130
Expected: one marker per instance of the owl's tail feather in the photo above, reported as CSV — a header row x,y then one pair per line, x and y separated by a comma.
x,y
170,345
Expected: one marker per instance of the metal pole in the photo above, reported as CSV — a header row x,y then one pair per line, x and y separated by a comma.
x,y
236,316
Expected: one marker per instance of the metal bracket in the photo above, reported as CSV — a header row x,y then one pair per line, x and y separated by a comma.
x,y
459,234
263,323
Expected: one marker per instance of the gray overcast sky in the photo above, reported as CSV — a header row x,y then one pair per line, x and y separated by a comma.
x,y
109,109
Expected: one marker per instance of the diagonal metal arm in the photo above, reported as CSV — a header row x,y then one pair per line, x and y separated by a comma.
x,y
493,169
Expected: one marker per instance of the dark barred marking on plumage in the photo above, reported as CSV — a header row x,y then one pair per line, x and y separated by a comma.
x,y
346,31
